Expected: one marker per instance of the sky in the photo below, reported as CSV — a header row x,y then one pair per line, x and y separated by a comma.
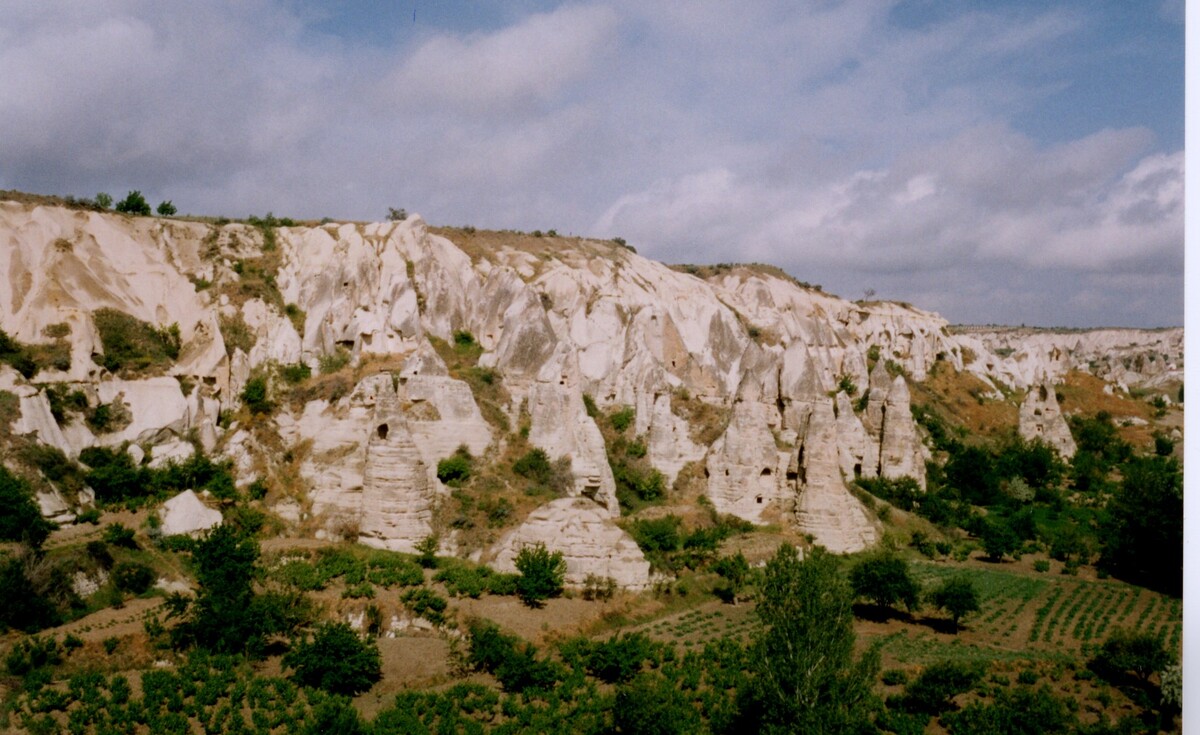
x,y
1008,162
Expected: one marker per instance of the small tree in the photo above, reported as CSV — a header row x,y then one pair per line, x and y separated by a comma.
x,y
884,579
104,200
166,209
427,551
133,203
336,659
1131,651
254,395
397,215
957,596
999,539
542,574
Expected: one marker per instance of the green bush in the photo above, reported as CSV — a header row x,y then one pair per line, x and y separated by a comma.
x,y
957,596
1130,651
331,362
426,603
542,574
335,659
622,419
20,517
296,373
884,579
534,465
166,208
132,346
254,395
455,470
134,203
133,577
938,684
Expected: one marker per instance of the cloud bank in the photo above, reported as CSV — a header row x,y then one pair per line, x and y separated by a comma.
x,y
849,142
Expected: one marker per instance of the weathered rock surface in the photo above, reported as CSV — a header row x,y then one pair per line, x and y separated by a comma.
x,y
591,544
900,448
744,465
556,318
825,508
187,514
1040,418
397,500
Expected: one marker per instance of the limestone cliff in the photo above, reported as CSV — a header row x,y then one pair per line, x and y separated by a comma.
x,y
770,369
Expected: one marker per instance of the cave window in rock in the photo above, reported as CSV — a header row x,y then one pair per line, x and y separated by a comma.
x,y
1042,393
758,499
727,473
1038,428
382,431
857,470
766,472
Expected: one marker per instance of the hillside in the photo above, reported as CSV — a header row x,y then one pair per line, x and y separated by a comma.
x,y
355,394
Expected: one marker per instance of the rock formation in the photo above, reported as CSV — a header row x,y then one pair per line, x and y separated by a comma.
x,y
397,501
187,514
556,318
744,466
1041,419
825,508
591,544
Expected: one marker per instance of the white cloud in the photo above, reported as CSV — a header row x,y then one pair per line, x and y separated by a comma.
x,y
513,70
825,137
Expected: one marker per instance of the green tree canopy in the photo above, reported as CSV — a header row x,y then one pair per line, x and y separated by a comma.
x,y
806,677
1143,533
884,579
957,596
542,574
335,659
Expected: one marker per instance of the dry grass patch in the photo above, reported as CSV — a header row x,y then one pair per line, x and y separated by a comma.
x,y
961,399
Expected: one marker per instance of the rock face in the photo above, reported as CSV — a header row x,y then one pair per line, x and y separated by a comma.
x,y
591,544
756,353
1041,418
744,464
900,450
825,508
187,514
397,503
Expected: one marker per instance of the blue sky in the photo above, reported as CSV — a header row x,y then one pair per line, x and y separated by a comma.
x,y
1005,162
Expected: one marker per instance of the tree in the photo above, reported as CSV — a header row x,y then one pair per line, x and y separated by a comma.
x,y
1142,654
542,574
1143,532
805,676
166,209
884,579
335,659
20,517
957,596
735,570
397,215
133,203
104,200
938,684
651,704
999,539
221,618
254,395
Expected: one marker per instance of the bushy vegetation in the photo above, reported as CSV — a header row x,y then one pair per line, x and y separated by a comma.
x,y
335,659
116,479
542,574
884,579
29,359
133,347
20,517
455,470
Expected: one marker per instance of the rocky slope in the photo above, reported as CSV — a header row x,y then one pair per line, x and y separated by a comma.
x,y
781,392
